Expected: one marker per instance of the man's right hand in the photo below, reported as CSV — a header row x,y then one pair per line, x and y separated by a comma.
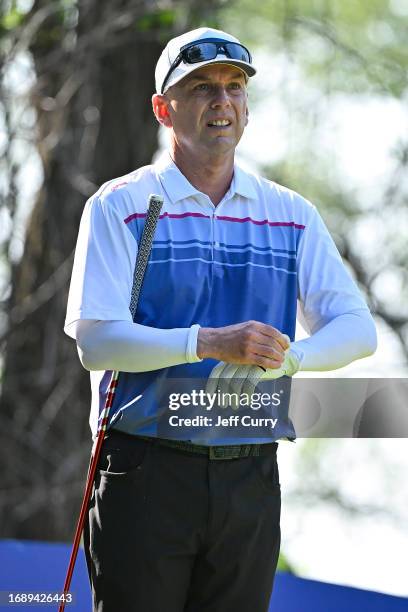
x,y
249,343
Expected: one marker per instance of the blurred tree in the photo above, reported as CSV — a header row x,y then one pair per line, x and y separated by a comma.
x,y
89,117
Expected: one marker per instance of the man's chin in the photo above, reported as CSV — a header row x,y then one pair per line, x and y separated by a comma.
x,y
221,144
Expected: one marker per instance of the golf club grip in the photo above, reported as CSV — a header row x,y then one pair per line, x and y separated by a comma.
x,y
144,248
143,253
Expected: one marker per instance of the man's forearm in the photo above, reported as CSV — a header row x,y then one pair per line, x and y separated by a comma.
x,y
130,347
346,338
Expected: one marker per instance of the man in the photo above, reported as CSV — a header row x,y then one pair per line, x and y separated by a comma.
x,y
193,525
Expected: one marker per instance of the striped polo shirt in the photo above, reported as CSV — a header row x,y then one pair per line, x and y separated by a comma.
x,y
257,255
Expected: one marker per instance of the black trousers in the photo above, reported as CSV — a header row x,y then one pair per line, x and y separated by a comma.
x,y
175,532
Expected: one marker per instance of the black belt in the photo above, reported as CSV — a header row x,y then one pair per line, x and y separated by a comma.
x,y
217,452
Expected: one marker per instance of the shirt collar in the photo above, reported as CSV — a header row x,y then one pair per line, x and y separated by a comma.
x,y
178,187
243,183
173,181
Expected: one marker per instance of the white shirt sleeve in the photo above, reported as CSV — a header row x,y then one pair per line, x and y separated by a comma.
x,y
344,339
131,347
102,274
331,306
325,287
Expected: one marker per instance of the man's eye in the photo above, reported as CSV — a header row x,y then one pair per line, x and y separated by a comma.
x,y
201,87
235,85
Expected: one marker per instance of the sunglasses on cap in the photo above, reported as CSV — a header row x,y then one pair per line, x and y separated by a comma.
x,y
208,49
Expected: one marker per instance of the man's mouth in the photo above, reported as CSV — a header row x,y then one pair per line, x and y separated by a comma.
x,y
219,123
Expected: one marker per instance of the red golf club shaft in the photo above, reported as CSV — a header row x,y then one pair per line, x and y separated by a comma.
x,y
88,487
82,515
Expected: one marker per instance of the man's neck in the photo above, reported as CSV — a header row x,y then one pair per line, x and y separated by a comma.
x,y
211,176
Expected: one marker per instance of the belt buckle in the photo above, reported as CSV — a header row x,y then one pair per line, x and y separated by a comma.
x,y
229,452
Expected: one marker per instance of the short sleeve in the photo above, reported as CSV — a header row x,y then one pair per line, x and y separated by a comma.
x,y
102,274
325,287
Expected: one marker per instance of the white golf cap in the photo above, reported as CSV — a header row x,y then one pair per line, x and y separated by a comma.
x,y
172,50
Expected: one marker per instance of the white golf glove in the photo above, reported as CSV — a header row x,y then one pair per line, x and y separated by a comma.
x,y
229,378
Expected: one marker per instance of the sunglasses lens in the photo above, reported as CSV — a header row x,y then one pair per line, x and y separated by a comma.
x,y
237,52
201,52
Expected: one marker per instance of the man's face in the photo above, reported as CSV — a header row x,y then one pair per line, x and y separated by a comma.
x,y
215,93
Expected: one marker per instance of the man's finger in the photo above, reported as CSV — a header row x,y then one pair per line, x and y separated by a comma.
x,y
286,337
275,352
266,363
272,332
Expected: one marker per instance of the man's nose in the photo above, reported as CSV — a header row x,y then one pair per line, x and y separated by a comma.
x,y
221,97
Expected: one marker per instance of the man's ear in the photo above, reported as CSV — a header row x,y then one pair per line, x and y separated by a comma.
x,y
160,109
